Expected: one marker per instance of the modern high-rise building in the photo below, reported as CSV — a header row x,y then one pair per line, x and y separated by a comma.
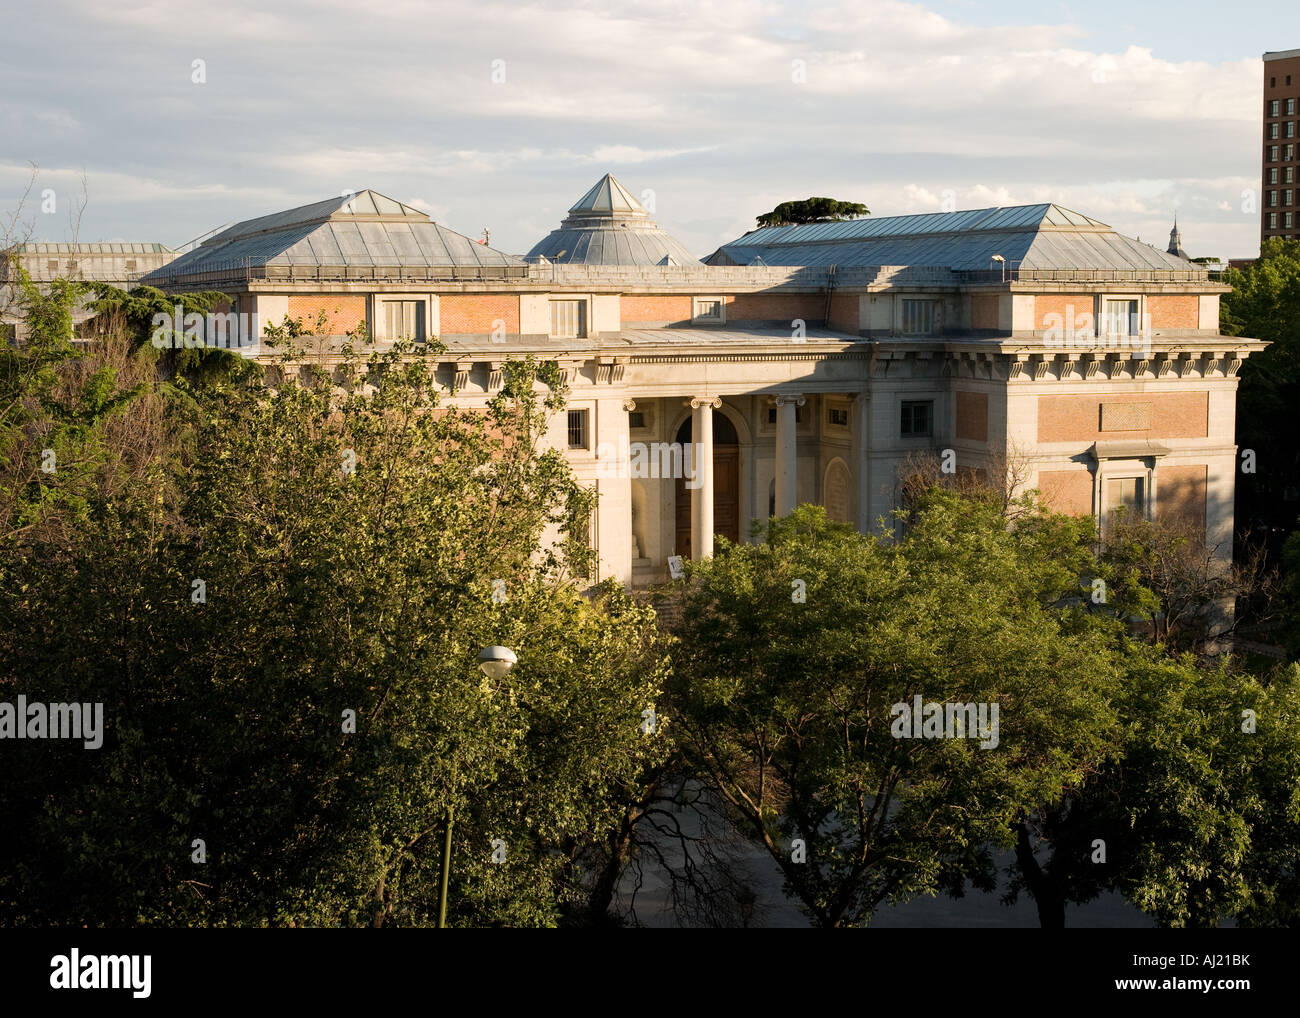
x,y
1281,208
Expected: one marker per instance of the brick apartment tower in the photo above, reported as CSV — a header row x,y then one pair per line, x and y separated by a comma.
x,y
1280,214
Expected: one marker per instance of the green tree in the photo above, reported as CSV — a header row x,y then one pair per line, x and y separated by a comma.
x,y
793,654
1265,304
812,210
328,549
1194,817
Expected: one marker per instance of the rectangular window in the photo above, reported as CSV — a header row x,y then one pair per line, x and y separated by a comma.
x,y
1272,175
578,429
1290,107
636,419
1127,494
1272,130
1286,197
918,317
569,319
798,414
1288,153
1286,220
1289,176
708,310
1290,128
404,319
918,418
1120,318
1272,153
1272,108
1272,220
838,416
1272,198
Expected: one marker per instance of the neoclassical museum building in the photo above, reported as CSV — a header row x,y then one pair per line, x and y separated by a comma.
x,y
809,363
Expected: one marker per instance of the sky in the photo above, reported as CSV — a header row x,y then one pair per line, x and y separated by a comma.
x,y
182,117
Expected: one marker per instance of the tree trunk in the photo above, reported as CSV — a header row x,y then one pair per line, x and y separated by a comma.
x,y
602,894
1047,896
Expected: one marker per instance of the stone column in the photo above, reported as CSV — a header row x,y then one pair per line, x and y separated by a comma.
x,y
861,445
787,459
609,440
701,485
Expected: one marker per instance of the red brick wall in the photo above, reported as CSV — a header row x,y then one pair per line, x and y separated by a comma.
x,y
1174,312
343,313
476,313
1180,494
984,312
1067,491
845,314
782,307
1078,418
1055,304
636,309
973,415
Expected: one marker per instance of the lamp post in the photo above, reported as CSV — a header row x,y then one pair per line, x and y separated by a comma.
x,y
1003,262
495,663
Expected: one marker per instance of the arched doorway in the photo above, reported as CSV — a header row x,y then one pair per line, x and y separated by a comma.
x,y
726,484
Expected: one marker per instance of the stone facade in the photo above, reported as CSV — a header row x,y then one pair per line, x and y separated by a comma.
x,y
825,384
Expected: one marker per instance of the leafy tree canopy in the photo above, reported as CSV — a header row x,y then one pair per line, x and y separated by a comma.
x,y
812,210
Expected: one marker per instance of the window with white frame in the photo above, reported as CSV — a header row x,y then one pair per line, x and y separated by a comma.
x,y
1272,153
569,319
1120,317
1286,220
708,309
1290,107
1272,220
918,317
403,319
1272,198
1123,498
1289,176
1272,108
1272,130
1288,153
1272,175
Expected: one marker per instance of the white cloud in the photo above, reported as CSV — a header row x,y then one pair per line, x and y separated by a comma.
x,y
695,99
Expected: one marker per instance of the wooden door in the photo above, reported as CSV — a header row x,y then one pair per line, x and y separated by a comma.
x,y
726,492
682,545
726,499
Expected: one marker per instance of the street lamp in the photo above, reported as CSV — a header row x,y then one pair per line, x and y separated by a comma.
x,y
1003,261
495,663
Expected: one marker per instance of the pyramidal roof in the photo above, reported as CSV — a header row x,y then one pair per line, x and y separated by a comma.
x,y
352,206
1043,236
607,226
364,229
608,195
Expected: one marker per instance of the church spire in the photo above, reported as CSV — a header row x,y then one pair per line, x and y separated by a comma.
x,y
1176,241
